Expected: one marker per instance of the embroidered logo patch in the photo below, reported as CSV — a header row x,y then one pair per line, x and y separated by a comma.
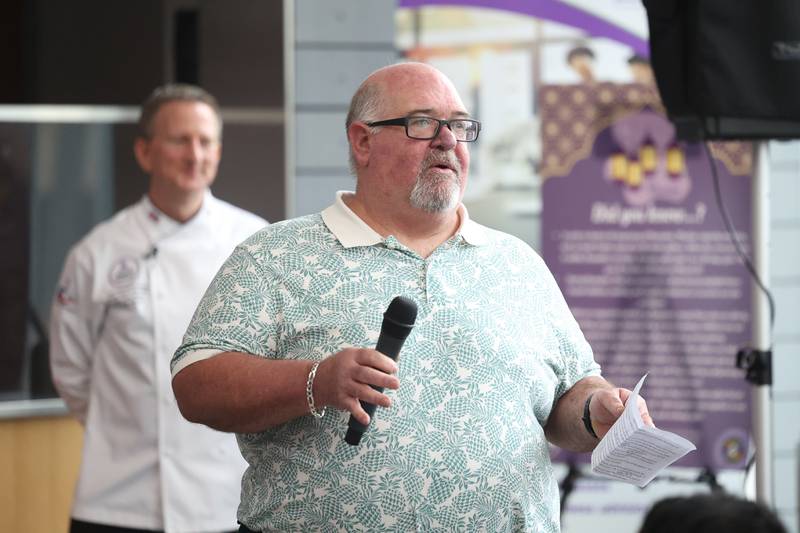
x,y
123,272
64,296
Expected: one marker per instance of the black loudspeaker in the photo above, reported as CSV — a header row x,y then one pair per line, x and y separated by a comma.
x,y
728,69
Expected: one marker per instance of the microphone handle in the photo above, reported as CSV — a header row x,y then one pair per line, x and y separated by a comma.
x,y
390,347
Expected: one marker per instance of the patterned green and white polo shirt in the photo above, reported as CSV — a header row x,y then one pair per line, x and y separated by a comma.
x,y
462,448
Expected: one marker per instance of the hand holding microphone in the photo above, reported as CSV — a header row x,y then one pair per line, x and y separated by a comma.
x,y
354,379
398,320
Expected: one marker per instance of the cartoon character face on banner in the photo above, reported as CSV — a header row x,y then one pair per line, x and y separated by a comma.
x,y
731,448
649,165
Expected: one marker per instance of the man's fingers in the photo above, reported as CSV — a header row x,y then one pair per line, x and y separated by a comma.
x,y
371,376
610,404
623,395
367,394
363,392
354,406
377,360
350,375
645,413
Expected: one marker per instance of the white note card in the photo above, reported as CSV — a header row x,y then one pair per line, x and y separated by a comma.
x,y
634,452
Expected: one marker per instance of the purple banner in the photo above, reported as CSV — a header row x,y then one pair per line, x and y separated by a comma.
x,y
633,235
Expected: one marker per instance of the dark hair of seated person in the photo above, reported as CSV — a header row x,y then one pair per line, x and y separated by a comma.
x,y
710,513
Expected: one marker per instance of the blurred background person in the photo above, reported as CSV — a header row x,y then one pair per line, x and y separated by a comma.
x,y
581,60
710,513
641,70
125,297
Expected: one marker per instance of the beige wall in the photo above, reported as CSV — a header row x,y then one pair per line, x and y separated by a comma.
x,y
39,459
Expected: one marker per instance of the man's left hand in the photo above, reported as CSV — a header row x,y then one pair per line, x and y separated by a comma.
x,y
607,406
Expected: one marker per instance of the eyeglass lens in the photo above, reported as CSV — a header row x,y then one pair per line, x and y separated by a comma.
x,y
426,128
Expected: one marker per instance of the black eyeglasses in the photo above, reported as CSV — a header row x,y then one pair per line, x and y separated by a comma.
x,y
425,128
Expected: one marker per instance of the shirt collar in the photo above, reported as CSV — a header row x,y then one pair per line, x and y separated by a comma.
x,y
347,226
351,231
471,231
159,224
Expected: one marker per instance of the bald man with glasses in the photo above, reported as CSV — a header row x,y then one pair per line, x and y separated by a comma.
x,y
281,348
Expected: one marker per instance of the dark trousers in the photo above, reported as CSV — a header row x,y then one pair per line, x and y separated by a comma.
x,y
79,526
243,529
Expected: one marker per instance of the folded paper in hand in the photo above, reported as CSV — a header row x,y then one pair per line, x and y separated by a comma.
x,y
634,452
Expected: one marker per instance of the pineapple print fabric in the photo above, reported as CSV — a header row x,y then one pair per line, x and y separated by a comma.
x,y
462,448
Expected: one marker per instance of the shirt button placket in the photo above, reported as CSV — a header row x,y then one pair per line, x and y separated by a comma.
x,y
423,280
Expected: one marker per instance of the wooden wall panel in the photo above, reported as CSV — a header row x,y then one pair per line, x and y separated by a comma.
x,y
39,460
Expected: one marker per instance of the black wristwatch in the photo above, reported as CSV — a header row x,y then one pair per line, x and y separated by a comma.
x,y
587,419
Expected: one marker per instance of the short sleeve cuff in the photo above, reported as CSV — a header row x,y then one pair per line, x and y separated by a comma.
x,y
193,357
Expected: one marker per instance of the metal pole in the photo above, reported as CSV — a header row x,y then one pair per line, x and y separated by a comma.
x,y
290,113
761,402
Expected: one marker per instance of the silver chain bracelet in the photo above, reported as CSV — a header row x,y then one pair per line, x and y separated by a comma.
x,y
310,391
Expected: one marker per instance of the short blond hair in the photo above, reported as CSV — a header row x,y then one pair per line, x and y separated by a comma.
x,y
174,92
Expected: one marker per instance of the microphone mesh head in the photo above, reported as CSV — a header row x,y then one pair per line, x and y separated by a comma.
x,y
402,311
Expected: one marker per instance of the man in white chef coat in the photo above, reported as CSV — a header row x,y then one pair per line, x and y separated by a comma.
x,y
125,298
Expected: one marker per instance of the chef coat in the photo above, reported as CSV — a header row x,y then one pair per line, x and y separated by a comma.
x,y
125,298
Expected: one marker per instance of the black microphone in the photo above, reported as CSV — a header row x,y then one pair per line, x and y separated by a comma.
x,y
397,323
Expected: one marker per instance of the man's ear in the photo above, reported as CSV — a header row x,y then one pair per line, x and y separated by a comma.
x,y
360,142
141,149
